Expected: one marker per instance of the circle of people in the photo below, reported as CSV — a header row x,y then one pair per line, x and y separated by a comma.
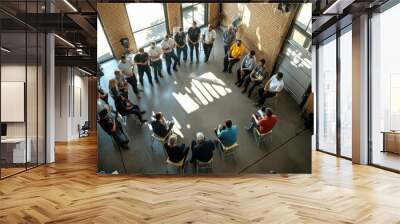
x,y
250,74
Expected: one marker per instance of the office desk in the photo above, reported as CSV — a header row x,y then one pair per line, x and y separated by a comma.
x,y
391,141
13,150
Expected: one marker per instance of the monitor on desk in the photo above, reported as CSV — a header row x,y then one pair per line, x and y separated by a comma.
x,y
3,130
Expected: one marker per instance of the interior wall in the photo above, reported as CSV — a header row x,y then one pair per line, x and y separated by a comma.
x,y
263,29
116,26
213,14
71,102
174,16
15,72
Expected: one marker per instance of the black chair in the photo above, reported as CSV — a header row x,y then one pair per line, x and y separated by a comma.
x,y
84,129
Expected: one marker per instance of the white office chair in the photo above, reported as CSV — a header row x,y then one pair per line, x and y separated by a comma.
x,y
261,138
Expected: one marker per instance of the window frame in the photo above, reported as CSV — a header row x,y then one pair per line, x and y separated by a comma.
x,y
166,22
205,22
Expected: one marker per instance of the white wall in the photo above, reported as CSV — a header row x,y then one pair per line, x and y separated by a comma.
x,y
71,94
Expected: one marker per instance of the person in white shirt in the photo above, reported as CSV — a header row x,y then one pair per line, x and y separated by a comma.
x,y
126,68
249,62
209,37
167,46
155,59
272,87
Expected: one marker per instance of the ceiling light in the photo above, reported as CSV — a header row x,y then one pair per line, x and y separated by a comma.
x,y
70,5
5,50
86,72
64,40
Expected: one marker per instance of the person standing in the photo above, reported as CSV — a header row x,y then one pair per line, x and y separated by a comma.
x,y
228,37
209,37
181,47
142,62
272,87
155,59
248,64
167,46
126,67
193,40
233,56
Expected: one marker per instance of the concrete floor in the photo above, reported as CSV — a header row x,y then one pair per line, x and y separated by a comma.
x,y
198,97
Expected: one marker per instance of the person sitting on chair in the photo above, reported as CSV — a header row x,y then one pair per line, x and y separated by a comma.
x,y
227,134
233,56
102,95
264,123
272,87
125,107
248,64
202,149
256,77
176,153
161,127
108,120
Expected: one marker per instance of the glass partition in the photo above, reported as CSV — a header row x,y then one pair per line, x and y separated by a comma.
x,y
22,67
385,89
327,96
346,93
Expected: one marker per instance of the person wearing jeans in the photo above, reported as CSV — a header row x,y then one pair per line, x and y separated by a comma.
x,y
167,46
228,37
248,64
142,62
155,60
256,77
126,67
181,47
272,87
193,41
233,56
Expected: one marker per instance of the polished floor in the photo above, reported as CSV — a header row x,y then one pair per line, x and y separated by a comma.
x,y
70,191
199,97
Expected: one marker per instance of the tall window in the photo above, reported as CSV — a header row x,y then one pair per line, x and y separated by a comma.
x,y
327,96
147,22
103,48
385,89
304,17
346,94
193,12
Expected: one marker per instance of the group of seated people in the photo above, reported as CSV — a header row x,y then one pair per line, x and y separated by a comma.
x,y
202,149
250,74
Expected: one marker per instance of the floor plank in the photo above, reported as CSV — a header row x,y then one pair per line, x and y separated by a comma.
x,y
69,191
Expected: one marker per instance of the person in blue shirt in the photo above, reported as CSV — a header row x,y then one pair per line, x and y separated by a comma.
x,y
227,133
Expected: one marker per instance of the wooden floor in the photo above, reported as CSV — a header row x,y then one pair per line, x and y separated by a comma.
x,y
70,191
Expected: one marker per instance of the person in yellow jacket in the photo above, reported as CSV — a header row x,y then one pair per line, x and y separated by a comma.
x,y
235,52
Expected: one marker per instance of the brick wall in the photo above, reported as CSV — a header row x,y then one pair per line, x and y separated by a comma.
x,y
116,26
263,29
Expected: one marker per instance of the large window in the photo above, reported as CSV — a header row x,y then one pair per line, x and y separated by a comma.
x,y
103,48
327,96
346,93
193,12
385,89
304,17
147,22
